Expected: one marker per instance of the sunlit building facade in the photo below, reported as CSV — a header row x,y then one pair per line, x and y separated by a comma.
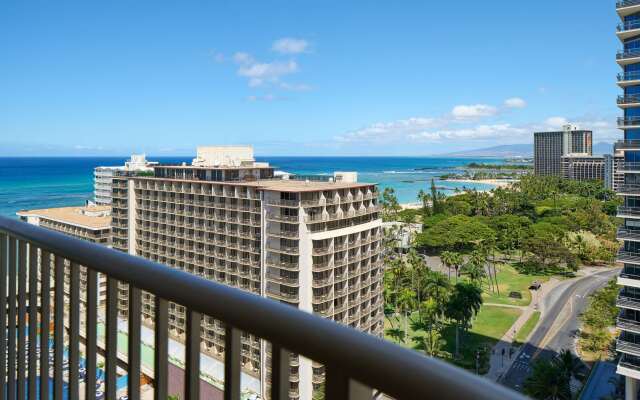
x,y
311,244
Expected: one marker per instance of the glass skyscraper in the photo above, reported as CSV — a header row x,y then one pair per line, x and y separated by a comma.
x,y
628,343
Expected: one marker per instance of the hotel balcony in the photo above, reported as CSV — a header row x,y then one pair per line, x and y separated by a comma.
x,y
625,300
627,145
630,167
631,257
631,56
630,122
357,364
628,29
628,190
627,7
628,325
628,101
629,366
628,234
627,347
628,78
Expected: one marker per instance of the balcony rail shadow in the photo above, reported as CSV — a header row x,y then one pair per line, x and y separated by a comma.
x,y
356,363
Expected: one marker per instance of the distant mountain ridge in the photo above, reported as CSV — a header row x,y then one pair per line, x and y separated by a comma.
x,y
518,150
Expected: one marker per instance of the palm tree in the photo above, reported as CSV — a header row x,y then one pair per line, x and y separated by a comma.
x,y
425,199
456,261
430,323
447,259
397,334
406,302
437,287
464,303
474,268
568,364
547,382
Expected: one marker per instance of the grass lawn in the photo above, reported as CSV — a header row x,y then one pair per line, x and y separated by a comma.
x,y
510,280
489,326
528,326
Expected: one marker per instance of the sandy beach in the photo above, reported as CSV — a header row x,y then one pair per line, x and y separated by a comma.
x,y
495,182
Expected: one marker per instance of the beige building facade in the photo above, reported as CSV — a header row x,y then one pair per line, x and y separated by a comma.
x,y
314,245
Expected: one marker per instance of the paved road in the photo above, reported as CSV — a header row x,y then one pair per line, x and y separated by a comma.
x,y
559,324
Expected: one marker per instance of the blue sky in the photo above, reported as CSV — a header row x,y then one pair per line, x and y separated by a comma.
x,y
301,77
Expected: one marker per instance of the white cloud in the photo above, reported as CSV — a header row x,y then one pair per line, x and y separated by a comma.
x,y
270,74
515,102
290,46
556,122
267,97
389,130
473,111
295,87
260,73
479,132
242,58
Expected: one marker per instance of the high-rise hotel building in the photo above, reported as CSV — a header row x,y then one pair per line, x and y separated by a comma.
x,y
313,244
550,147
628,343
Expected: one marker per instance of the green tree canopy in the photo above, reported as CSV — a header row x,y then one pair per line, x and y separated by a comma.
x,y
458,232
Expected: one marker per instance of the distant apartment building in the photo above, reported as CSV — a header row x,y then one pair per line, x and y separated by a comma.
x,y
310,242
103,176
90,223
550,147
614,170
583,167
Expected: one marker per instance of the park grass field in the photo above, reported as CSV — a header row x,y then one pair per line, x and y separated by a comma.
x,y
510,280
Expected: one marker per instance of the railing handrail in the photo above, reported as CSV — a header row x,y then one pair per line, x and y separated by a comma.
x,y
628,53
626,3
398,372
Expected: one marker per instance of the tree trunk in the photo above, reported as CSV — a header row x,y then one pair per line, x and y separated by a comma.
x,y
495,276
457,341
406,326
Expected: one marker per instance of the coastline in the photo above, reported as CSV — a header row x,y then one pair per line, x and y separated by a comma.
x,y
501,183
496,183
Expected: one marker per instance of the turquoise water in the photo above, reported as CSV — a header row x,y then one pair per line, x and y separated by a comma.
x,y
28,183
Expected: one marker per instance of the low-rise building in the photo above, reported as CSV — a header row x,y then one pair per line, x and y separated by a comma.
x,y
582,167
91,223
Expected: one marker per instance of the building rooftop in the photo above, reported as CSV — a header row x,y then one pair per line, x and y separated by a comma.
x,y
282,185
91,217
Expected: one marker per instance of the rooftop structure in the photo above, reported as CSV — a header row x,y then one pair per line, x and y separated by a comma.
x,y
313,244
92,223
103,176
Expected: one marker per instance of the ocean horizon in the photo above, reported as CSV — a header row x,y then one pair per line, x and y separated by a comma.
x,y
43,182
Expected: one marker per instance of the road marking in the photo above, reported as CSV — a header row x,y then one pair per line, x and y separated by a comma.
x,y
554,328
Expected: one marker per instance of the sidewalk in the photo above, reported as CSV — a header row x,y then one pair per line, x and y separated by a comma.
x,y
500,364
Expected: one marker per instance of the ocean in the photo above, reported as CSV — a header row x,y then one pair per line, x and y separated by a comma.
x,y
42,182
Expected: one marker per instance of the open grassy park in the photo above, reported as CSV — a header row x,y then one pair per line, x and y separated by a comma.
x,y
510,280
491,323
